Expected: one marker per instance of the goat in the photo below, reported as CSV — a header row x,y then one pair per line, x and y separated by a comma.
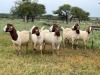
x,y
84,35
18,38
53,38
71,34
37,38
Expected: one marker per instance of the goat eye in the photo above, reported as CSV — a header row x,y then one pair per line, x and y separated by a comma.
x,y
11,27
36,30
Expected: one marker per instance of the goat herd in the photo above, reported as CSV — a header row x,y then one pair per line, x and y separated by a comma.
x,y
40,36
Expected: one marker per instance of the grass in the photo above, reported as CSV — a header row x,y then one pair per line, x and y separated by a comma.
x,y
69,62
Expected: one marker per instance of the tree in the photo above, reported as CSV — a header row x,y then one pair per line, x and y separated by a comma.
x,y
79,13
66,12
26,9
63,12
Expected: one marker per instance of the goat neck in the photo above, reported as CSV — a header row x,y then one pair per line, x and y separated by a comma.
x,y
57,32
14,34
77,31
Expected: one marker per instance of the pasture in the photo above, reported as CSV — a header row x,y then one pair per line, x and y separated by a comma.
x,y
69,62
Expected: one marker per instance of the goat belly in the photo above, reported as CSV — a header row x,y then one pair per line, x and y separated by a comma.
x,y
48,38
16,42
24,36
83,35
52,39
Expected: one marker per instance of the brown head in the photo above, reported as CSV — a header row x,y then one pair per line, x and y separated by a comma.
x,y
9,28
57,32
76,27
36,31
12,30
89,29
54,27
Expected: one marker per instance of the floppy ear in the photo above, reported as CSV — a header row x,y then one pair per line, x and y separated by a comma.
x,y
33,31
90,29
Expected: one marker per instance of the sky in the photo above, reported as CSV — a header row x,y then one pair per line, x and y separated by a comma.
x,y
90,6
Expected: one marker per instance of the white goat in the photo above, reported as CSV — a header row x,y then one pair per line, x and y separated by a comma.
x,y
37,38
18,38
71,34
84,35
53,38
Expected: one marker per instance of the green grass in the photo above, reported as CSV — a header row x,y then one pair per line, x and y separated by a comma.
x,y
69,62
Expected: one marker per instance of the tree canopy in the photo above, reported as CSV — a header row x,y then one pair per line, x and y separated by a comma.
x,y
80,13
63,12
64,8
27,9
75,11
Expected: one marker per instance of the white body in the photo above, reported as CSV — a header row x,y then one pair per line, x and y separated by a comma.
x,y
37,40
70,34
23,38
84,36
51,38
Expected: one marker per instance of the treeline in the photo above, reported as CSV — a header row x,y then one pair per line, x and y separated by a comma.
x,y
3,15
28,10
10,16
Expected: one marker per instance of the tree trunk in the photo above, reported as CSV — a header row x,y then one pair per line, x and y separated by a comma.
x,y
66,18
32,19
26,19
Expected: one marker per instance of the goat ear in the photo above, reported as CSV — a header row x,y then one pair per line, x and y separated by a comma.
x,y
33,31
90,29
